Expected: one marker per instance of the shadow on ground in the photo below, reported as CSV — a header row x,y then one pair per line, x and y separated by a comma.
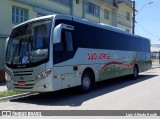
x,y
71,97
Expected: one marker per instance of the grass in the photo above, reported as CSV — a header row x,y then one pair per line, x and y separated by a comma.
x,y
8,93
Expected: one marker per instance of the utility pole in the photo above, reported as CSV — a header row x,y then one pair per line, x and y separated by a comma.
x,y
134,14
133,26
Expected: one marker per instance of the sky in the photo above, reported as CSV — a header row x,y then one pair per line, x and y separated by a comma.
x,y
148,20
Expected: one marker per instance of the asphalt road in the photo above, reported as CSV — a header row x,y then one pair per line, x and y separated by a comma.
x,y
116,94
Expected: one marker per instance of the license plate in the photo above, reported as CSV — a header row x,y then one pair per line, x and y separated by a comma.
x,y
22,83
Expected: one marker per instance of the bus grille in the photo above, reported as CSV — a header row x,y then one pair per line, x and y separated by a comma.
x,y
22,73
29,84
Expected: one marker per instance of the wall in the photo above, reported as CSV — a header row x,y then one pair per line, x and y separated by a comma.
x,y
107,7
124,27
78,9
122,22
6,6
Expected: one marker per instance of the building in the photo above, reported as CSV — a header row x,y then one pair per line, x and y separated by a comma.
x,y
117,13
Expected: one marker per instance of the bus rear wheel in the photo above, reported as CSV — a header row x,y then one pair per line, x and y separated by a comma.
x,y
135,72
87,82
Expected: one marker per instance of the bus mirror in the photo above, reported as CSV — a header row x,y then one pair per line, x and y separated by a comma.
x,y
58,30
57,34
6,43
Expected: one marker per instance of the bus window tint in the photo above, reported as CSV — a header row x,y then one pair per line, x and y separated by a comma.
x,y
68,40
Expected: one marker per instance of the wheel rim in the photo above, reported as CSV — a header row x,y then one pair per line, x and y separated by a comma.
x,y
86,82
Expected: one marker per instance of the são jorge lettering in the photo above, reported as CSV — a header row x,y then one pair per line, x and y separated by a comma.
x,y
98,56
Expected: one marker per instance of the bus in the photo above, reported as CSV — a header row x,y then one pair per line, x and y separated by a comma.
x,y
56,52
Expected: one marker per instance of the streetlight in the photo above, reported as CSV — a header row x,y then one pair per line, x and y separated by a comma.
x,y
144,6
133,27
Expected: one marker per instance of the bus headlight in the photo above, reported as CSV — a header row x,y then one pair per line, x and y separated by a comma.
x,y
43,74
7,77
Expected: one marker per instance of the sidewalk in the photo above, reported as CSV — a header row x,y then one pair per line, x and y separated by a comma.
x,y
3,87
155,65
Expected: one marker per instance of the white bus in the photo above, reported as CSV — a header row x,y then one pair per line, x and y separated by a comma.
x,y
59,51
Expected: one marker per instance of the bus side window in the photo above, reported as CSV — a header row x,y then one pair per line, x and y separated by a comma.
x,y
67,41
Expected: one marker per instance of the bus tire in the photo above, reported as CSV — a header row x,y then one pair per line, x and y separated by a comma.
x,y
87,82
135,72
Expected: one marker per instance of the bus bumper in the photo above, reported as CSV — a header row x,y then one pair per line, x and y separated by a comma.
x,y
44,85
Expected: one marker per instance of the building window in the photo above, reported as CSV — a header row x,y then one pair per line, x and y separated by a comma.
x,y
19,15
106,14
127,30
64,2
128,16
93,9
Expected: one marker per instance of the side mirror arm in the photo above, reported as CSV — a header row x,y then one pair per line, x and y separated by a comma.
x,y
58,30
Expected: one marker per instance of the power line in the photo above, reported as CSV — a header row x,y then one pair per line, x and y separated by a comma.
x,y
158,39
147,31
120,16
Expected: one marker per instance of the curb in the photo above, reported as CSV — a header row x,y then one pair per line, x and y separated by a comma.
x,y
155,67
17,96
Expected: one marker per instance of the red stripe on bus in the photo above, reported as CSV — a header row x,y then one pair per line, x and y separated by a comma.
x,y
119,63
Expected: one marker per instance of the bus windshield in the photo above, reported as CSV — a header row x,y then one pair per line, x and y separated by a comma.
x,y
29,43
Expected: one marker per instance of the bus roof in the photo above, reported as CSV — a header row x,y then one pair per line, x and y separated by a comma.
x,y
35,19
83,21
